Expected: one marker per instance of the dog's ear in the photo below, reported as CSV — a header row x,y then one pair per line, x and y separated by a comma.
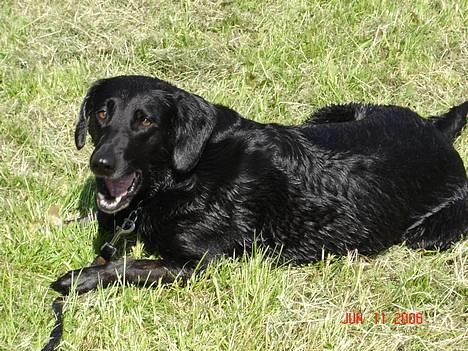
x,y
83,117
193,124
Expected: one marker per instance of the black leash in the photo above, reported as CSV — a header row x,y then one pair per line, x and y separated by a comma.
x,y
56,333
107,251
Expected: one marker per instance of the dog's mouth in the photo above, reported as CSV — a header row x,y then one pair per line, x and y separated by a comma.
x,y
114,195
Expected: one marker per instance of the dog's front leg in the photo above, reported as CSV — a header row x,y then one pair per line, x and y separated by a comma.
x,y
138,272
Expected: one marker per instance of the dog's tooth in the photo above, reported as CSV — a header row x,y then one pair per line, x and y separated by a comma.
x,y
118,198
100,196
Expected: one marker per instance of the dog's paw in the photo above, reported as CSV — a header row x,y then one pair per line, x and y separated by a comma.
x,y
82,280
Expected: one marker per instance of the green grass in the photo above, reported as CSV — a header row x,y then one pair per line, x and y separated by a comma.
x,y
271,61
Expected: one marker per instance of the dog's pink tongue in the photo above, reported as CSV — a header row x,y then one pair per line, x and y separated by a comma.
x,y
118,187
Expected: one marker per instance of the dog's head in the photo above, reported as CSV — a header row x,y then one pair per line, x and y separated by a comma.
x,y
140,126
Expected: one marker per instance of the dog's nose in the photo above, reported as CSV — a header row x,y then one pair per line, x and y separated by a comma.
x,y
102,165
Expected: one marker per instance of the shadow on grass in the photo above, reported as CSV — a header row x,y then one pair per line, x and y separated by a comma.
x,y
87,202
86,207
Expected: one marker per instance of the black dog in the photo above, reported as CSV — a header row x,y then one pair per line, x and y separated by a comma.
x,y
208,182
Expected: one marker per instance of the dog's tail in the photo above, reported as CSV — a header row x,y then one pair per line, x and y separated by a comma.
x,y
451,123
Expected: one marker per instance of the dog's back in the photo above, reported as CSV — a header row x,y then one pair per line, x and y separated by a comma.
x,y
394,175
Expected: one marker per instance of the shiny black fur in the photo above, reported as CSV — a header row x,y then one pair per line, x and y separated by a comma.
x,y
353,177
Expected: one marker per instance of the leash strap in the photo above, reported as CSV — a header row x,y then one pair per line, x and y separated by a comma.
x,y
108,250
56,333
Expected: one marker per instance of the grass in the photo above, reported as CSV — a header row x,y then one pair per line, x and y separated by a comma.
x,y
271,61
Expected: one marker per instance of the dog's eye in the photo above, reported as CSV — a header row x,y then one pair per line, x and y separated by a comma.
x,y
146,122
102,115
